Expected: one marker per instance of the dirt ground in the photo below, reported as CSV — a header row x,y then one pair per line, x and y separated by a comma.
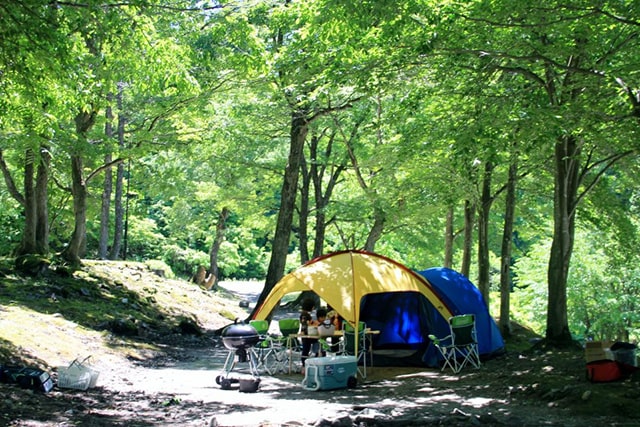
x,y
173,384
177,387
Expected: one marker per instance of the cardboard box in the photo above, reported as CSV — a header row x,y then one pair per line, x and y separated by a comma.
x,y
598,350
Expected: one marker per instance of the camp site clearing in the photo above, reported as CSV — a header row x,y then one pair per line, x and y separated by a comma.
x,y
170,379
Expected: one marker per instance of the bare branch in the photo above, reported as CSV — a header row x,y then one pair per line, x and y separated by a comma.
x,y
8,179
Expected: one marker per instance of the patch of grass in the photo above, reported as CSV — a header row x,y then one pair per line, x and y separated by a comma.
x,y
105,308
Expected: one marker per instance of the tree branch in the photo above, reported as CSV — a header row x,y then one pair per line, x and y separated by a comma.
x,y
103,167
8,179
606,163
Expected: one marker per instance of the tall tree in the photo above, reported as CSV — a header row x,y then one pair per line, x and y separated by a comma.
x,y
506,248
325,171
107,189
311,90
119,196
320,176
484,209
85,120
570,60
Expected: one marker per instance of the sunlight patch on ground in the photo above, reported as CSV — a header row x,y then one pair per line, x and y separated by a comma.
x,y
451,397
447,397
478,402
398,405
439,375
434,375
421,374
62,347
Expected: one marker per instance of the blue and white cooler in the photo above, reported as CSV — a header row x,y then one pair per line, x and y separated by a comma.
x,y
329,373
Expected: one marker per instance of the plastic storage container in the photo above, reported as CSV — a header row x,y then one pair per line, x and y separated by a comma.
x,y
625,353
78,375
329,373
626,356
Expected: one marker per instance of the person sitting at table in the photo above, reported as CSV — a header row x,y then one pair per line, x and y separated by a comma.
x,y
336,321
311,345
305,315
305,320
321,317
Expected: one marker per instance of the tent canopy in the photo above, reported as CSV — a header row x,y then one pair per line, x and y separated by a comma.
x,y
342,279
406,319
465,298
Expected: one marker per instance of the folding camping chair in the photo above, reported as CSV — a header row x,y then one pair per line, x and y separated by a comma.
x,y
350,338
331,346
285,345
265,351
461,345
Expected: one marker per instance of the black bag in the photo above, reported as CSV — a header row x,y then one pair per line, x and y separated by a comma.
x,y
31,378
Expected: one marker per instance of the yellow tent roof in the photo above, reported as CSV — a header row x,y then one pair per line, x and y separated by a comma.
x,y
343,278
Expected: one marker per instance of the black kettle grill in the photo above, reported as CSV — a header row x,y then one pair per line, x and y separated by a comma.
x,y
239,339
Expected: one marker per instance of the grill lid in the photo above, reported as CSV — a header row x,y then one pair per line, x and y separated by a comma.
x,y
239,335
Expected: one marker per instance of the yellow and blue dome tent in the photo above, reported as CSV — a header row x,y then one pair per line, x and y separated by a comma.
x,y
363,286
342,279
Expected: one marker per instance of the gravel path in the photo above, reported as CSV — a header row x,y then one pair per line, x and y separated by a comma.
x,y
280,400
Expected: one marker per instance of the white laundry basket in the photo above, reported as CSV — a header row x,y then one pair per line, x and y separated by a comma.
x,y
78,375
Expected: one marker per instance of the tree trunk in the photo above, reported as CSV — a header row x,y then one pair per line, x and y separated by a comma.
x,y
448,239
28,243
105,211
73,252
483,233
322,196
42,202
119,211
280,245
8,180
107,189
469,215
505,257
303,213
221,228
379,219
35,234
75,249
320,229
567,160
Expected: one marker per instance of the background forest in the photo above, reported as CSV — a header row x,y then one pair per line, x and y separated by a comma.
x,y
495,137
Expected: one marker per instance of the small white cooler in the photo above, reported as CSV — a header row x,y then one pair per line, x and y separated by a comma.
x,y
329,373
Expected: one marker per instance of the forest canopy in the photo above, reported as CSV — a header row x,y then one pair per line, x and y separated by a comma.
x,y
497,138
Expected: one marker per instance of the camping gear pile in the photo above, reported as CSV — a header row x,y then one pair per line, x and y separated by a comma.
x,y
26,377
239,338
607,361
78,375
